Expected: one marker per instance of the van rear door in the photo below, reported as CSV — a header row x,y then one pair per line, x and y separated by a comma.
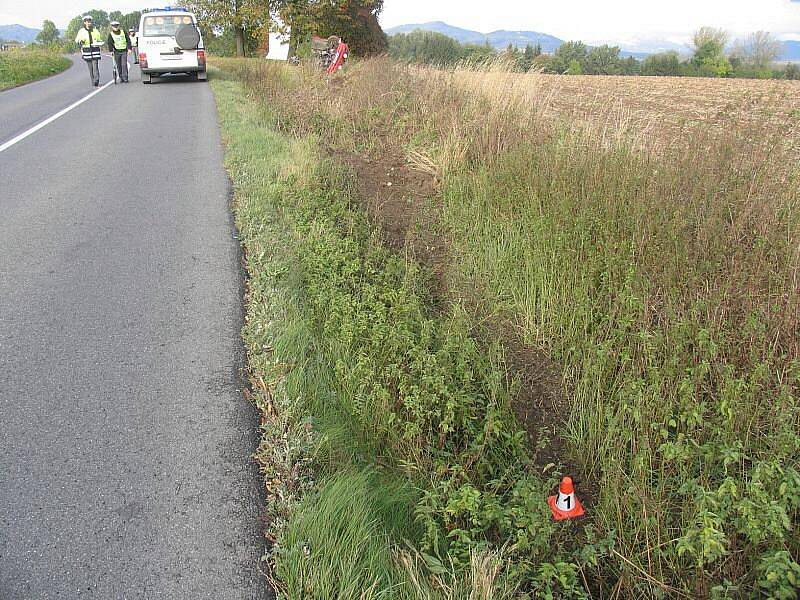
x,y
157,41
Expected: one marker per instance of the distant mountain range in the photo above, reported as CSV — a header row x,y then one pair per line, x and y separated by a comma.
x,y
498,39
502,38
645,46
18,33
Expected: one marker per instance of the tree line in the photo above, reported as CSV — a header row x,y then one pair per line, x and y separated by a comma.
x,y
50,37
242,28
247,23
753,57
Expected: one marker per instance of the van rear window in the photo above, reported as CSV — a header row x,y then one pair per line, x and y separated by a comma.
x,y
164,25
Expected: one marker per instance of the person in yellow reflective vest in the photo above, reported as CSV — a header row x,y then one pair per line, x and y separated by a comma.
x,y
135,44
90,40
119,43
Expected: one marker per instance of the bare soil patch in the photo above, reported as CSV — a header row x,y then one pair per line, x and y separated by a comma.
x,y
403,203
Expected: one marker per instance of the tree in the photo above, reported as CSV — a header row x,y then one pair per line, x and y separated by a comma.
x,y
545,63
427,47
99,18
603,60
131,20
663,64
223,42
509,59
568,52
243,17
529,52
758,51
710,41
49,35
355,21
574,68
792,71
709,52
631,66
476,54
525,59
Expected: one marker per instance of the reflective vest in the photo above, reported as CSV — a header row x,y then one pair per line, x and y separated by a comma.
x,y
90,42
120,43
89,38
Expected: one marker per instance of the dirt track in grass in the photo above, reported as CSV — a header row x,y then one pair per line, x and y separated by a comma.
x,y
404,203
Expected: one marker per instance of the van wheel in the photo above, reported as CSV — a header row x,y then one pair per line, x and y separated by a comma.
x,y
202,76
145,77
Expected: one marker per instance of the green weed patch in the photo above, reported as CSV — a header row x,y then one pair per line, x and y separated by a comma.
x,y
23,66
382,419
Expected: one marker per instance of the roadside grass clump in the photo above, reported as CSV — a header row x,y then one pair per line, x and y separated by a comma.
x,y
23,66
391,461
662,275
339,542
308,446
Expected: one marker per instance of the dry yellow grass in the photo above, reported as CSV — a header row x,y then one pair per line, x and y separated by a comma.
x,y
657,112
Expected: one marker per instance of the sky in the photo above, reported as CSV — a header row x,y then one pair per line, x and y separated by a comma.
x,y
604,20
588,20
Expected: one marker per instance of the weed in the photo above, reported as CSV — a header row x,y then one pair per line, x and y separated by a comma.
x,y
23,66
659,271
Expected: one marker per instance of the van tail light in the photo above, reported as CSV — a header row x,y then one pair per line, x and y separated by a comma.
x,y
201,58
142,60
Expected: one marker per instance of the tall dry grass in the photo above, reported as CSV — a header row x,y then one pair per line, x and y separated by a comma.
x,y
650,247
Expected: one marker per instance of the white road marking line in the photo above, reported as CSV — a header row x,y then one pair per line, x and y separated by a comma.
x,y
49,120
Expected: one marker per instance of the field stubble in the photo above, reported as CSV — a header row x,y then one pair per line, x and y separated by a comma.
x,y
655,112
641,235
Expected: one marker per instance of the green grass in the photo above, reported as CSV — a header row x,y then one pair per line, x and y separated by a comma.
x,y
664,286
393,465
332,538
340,540
18,67
689,423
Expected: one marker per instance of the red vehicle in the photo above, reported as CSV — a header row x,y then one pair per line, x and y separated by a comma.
x,y
329,54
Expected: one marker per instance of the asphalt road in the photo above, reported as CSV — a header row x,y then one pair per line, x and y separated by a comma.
x,y
25,106
125,442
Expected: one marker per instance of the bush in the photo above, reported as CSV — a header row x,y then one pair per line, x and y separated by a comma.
x,y
664,64
426,47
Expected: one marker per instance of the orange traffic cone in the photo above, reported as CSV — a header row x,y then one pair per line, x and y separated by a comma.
x,y
566,505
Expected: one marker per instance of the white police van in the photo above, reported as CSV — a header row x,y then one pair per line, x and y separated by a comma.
x,y
170,42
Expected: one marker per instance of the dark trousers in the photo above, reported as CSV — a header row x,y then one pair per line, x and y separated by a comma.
x,y
94,70
121,58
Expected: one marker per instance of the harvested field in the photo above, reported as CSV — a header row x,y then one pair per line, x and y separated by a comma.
x,y
656,112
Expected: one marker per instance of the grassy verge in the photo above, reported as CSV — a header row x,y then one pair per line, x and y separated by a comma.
x,y
664,285
24,66
393,465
